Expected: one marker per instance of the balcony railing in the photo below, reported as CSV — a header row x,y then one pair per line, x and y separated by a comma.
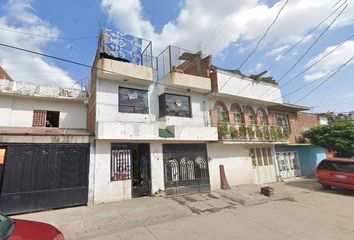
x,y
252,133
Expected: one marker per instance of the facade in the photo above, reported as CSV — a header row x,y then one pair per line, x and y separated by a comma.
x,y
298,157
172,132
44,147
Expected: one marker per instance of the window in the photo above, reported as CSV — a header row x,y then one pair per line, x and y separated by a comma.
x,y
261,156
283,121
174,105
222,112
345,167
133,100
251,115
43,118
120,162
263,119
237,112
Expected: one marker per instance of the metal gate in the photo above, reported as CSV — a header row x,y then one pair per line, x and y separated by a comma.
x,y
44,176
186,168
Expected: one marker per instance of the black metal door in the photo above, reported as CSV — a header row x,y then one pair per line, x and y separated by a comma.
x,y
186,168
44,176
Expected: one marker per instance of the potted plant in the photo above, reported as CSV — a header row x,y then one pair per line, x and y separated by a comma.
x,y
223,130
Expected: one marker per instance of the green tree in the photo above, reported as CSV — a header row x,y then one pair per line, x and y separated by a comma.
x,y
337,136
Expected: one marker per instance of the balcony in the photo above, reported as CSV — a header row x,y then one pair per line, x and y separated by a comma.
x,y
114,70
180,68
187,82
254,134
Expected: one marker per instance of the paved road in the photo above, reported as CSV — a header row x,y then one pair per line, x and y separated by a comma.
x,y
312,214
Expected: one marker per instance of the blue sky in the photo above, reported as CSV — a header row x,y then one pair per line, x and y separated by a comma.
x,y
228,30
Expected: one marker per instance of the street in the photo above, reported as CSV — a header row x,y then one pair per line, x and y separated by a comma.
x,y
312,213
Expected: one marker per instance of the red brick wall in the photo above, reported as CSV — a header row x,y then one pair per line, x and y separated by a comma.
x,y
91,106
299,123
197,67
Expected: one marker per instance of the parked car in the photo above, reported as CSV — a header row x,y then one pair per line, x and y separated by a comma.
x,y
337,172
16,229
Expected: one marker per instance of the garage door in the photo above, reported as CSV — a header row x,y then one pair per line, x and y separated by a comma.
x,y
44,176
186,168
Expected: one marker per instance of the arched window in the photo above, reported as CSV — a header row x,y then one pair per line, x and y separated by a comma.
x,y
201,168
251,115
263,118
222,112
190,169
172,170
237,112
186,169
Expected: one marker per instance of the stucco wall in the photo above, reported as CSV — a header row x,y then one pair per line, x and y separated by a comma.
x,y
237,165
244,87
106,190
309,156
18,111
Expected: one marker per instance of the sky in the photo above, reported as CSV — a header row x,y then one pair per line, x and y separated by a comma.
x,y
227,29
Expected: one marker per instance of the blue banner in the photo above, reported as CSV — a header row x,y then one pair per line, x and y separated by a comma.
x,y
121,46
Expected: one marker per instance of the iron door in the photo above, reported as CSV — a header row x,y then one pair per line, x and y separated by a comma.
x,y
44,176
186,168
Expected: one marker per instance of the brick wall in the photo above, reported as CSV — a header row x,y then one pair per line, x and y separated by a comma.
x,y
91,106
4,75
197,67
299,122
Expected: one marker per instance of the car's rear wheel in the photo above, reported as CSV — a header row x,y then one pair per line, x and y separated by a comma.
x,y
326,187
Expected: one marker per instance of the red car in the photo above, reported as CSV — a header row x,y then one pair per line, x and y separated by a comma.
x,y
337,172
16,229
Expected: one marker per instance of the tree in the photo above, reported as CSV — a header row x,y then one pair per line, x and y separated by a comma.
x,y
338,136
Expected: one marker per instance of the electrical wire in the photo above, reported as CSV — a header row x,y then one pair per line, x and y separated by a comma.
x,y
318,86
264,35
219,30
44,36
307,51
313,64
260,40
80,64
305,36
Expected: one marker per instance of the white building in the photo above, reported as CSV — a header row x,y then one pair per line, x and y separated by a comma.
x,y
44,147
172,134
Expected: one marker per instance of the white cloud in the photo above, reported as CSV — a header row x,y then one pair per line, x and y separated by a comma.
x,y
26,67
276,51
328,64
197,21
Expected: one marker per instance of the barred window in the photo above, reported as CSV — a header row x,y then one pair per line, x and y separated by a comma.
x,y
120,162
174,105
133,100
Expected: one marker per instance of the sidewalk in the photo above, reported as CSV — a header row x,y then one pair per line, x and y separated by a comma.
x,y
139,215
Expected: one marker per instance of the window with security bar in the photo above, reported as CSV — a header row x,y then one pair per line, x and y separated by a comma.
x,y
120,162
133,100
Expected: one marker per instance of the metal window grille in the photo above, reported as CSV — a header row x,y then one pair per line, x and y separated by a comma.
x,y
121,164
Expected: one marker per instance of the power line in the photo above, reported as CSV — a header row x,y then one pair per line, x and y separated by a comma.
x,y
308,50
306,35
79,64
45,36
219,30
264,35
336,3
260,40
315,63
309,93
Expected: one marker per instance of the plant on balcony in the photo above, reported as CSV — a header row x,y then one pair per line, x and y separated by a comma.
x,y
259,133
250,133
281,135
242,132
235,134
273,133
266,133
223,130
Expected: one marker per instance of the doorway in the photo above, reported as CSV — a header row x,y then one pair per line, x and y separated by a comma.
x,y
289,165
141,175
